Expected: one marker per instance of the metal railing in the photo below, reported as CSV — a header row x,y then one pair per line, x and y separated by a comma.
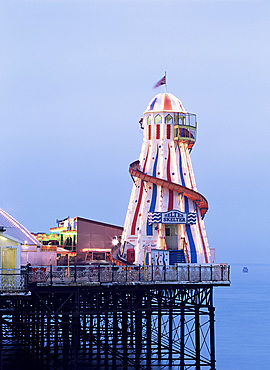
x,y
19,280
12,280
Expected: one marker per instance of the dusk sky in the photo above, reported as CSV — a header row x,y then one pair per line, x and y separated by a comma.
x,y
76,77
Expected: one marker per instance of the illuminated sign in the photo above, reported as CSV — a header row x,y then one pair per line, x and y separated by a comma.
x,y
172,217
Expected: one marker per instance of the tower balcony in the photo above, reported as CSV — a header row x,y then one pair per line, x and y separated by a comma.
x,y
185,128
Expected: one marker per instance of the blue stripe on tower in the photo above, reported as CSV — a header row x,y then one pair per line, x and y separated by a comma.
x,y
190,237
149,228
153,104
181,169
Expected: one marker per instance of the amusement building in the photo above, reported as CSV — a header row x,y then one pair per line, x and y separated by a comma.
x,y
88,294
164,221
166,211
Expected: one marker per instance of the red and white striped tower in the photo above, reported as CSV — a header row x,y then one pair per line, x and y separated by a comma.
x,y
165,210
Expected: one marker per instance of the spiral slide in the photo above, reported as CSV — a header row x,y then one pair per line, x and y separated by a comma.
x,y
134,170
191,194
116,259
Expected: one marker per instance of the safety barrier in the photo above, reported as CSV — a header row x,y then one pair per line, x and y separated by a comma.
x,y
19,280
12,280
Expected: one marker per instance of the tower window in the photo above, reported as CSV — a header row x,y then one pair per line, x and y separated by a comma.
x,y
158,119
168,131
149,132
168,119
158,132
149,120
183,120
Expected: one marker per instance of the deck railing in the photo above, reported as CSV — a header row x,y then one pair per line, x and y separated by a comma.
x,y
12,280
20,280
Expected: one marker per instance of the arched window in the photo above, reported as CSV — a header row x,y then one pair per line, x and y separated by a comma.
x,y
168,119
158,119
182,120
149,121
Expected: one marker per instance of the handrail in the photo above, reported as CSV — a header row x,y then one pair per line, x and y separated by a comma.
x,y
85,275
189,193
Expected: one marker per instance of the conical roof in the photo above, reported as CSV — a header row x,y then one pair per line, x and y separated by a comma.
x,y
165,102
16,230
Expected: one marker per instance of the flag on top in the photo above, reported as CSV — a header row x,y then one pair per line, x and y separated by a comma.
x,y
161,82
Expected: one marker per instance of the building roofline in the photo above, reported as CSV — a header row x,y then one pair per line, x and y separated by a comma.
x,y
99,223
7,236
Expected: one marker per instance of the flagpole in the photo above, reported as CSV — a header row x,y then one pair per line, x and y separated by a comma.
x,y
165,82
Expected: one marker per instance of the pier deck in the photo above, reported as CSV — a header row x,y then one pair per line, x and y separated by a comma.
x,y
111,317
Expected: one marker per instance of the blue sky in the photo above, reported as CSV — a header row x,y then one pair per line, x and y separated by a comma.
x,y
76,77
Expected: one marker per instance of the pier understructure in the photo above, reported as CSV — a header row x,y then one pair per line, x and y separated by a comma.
x,y
112,317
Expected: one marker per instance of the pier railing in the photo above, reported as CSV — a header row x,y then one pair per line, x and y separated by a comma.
x,y
21,280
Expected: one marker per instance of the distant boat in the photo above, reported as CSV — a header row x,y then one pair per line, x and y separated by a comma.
x,y
245,269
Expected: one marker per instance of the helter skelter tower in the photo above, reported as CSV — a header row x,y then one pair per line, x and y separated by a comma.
x,y
165,210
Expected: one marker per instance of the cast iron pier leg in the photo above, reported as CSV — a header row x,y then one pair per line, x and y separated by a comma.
x,y
115,331
106,335
182,345
148,323
197,336
159,334
138,340
65,331
124,338
170,336
98,337
212,337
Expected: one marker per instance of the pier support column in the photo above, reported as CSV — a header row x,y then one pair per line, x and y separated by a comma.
x,y
197,337
91,336
75,340
106,338
149,338
159,329
48,338
124,338
56,333
138,336
182,344
115,338
212,337
170,337
98,337
65,331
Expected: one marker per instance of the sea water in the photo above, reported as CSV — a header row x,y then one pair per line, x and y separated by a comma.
x,y
242,320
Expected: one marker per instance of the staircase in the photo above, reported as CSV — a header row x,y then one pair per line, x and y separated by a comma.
x,y
177,257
